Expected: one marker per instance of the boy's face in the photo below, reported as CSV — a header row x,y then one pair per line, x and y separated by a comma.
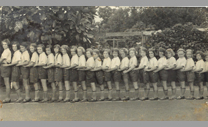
x,y
73,52
206,57
56,50
88,54
22,48
188,54
4,44
95,55
40,50
14,47
115,54
79,52
169,54
132,53
48,51
180,54
142,53
63,50
32,49
151,54
105,54
198,57
122,53
161,54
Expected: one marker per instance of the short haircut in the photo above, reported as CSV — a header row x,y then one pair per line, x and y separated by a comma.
x,y
143,49
89,49
180,49
24,44
33,45
66,47
49,46
201,53
115,50
125,50
80,47
132,49
41,45
7,41
57,46
162,50
107,50
96,51
15,43
171,51
151,50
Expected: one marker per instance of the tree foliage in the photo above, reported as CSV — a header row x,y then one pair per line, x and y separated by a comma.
x,y
48,24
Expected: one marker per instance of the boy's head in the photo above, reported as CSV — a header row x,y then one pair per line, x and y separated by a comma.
x,y
48,49
96,53
64,48
106,53
132,52
123,52
170,53
181,53
33,47
199,55
56,48
115,52
40,48
189,53
73,50
89,52
80,51
161,52
15,45
206,55
143,51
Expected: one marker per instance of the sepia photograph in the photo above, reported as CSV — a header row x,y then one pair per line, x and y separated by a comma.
x,y
103,63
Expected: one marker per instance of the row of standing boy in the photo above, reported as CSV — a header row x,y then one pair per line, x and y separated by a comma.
x,y
57,68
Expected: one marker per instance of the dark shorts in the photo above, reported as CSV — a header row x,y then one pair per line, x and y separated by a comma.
x,y
34,76
90,76
133,75
25,72
5,71
181,76
42,73
66,74
58,74
107,76
163,75
99,77
141,75
50,75
171,75
82,75
199,77
190,76
125,76
153,77
146,77
116,76
73,75
15,74
206,77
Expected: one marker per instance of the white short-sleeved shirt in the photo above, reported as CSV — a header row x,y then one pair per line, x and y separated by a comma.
x,y
133,61
144,62
25,56
58,59
115,62
35,58
162,62
50,59
124,62
107,62
90,62
16,56
200,65
98,62
189,63
82,60
7,55
181,62
74,60
152,63
42,58
66,60
171,62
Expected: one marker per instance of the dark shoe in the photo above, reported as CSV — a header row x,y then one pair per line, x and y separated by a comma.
x,y
93,100
26,100
190,98
53,100
36,100
125,99
155,98
180,97
109,99
172,98
199,98
134,99
144,98
75,100
60,100
6,101
117,99
101,99
164,98
44,101
19,100
67,100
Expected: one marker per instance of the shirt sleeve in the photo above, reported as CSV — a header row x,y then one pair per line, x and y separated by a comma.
x,y
67,61
43,59
59,59
183,62
155,62
76,60
165,63
108,63
126,63
118,62
92,63
27,57
82,61
51,59
18,56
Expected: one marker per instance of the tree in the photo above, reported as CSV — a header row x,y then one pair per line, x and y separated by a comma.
x,y
48,24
